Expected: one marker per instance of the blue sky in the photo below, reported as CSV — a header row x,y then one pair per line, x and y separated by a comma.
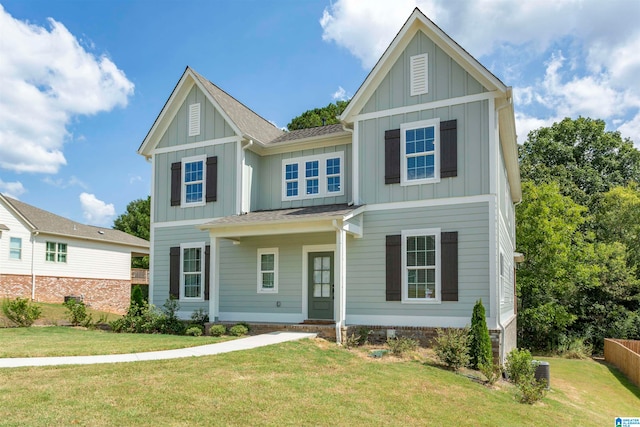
x,y
81,82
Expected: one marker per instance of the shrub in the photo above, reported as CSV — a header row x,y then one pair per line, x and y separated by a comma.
x,y
451,347
21,311
137,301
169,322
480,351
77,313
575,348
520,366
199,317
532,390
401,345
492,372
217,330
146,321
238,330
194,331
246,325
359,338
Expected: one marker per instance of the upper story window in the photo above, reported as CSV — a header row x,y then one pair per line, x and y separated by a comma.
x,y
15,248
194,119
268,270
421,265
193,179
419,74
419,156
56,252
313,176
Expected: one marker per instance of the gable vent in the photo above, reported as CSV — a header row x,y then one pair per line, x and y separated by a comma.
x,y
419,74
194,119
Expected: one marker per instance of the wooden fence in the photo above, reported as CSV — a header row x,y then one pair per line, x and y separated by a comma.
x,y
625,355
139,276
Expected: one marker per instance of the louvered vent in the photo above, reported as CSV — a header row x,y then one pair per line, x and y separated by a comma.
x,y
194,119
419,74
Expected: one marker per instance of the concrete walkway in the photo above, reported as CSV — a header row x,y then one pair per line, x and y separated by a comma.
x,y
203,350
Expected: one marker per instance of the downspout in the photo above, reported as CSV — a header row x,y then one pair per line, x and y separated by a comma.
x,y
355,186
33,257
341,242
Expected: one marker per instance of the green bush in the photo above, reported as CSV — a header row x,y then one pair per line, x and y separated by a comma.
x,y
399,346
492,372
532,390
199,317
238,330
575,348
246,325
137,301
480,351
451,347
519,366
150,320
77,313
217,330
21,311
194,331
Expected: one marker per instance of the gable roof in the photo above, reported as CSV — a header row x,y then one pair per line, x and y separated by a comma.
x,y
311,133
244,121
46,222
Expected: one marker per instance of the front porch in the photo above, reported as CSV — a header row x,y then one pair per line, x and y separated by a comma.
x,y
325,330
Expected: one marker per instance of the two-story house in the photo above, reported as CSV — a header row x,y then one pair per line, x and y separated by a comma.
x,y
399,218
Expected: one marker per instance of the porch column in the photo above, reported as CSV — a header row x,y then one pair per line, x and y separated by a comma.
x,y
340,292
214,278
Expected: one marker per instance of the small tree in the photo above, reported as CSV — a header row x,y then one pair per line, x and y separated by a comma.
x,y
480,351
137,301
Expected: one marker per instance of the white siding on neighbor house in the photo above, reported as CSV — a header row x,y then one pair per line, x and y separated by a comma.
x,y
85,259
366,258
16,229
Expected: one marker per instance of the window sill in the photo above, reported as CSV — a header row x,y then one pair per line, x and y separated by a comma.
x,y
267,291
191,205
406,183
313,196
422,301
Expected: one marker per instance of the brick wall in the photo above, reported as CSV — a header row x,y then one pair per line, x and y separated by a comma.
x,y
100,294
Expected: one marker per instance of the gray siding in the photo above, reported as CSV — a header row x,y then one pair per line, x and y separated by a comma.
x,y
212,124
473,156
226,203
269,188
366,259
446,79
165,238
238,273
252,163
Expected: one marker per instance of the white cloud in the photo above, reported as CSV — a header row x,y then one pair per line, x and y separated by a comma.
x,y
65,183
52,79
340,94
96,212
12,189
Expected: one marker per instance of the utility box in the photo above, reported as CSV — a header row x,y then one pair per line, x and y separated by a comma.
x,y
542,372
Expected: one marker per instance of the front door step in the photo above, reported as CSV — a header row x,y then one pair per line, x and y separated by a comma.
x,y
318,322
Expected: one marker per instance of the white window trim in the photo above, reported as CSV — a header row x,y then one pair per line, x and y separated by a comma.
x,y
57,252
405,279
268,251
419,86
19,249
435,123
183,188
322,176
201,246
194,119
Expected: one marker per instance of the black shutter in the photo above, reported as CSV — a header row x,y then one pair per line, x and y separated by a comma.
x,y
394,268
449,259
392,156
212,179
449,144
176,183
174,272
207,266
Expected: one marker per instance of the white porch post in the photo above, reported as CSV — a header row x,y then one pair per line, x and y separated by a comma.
x,y
214,278
341,282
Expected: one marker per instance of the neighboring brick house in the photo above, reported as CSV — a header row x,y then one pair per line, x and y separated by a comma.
x,y
46,257
399,218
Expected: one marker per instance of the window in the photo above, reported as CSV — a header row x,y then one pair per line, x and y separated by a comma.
x,y
313,176
56,252
192,273
194,119
268,270
419,73
421,265
15,248
419,143
193,179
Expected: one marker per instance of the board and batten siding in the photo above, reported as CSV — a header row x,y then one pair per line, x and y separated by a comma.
x,y
269,188
366,260
250,180
226,200
238,274
446,79
212,124
507,249
472,150
164,239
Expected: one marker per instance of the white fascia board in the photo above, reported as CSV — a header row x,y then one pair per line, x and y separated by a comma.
x,y
301,144
269,228
509,143
195,145
17,214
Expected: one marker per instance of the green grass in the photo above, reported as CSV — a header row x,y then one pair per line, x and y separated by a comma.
x,y
302,383
67,341
56,314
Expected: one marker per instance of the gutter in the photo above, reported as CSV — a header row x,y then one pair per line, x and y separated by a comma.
x,y
33,257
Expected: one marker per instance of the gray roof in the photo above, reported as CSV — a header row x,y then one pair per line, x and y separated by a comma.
x,y
307,213
46,222
295,135
249,123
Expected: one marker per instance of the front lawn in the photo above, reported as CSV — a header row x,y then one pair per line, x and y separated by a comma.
x,y
310,382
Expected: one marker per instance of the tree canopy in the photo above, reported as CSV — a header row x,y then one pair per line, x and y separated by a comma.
x,y
135,221
318,116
